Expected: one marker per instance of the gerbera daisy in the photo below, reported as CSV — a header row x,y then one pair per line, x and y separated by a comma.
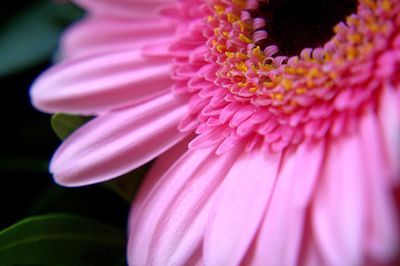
x,y
276,123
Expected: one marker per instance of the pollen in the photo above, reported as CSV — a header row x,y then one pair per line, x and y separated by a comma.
x,y
254,73
232,18
244,38
219,9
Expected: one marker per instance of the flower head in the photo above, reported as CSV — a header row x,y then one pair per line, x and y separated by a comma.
x,y
294,156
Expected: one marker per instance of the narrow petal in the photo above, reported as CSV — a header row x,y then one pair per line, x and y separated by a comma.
x,y
389,116
124,8
95,35
98,83
383,236
339,206
280,237
117,142
309,162
240,205
167,227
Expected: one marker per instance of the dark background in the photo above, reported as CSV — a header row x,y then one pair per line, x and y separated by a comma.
x,y
27,140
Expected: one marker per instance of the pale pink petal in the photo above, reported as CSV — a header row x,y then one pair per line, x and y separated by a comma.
x,y
118,142
96,35
156,194
168,226
389,116
383,242
240,205
101,82
183,228
138,9
310,157
339,206
280,237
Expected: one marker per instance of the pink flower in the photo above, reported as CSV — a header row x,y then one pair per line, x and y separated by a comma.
x,y
265,157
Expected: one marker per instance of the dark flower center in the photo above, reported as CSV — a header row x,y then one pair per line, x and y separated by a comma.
x,y
293,25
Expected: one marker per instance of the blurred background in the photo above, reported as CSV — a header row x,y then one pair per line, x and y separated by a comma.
x,y
29,34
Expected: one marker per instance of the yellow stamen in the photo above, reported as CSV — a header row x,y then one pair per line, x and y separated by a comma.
x,y
244,38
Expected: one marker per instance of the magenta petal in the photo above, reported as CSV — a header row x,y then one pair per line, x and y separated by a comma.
x,y
389,116
339,206
309,161
118,142
280,237
101,82
167,225
240,205
383,242
124,8
96,35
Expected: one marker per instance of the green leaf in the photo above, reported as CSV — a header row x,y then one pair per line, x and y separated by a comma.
x,y
31,36
63,240
64,124
127,185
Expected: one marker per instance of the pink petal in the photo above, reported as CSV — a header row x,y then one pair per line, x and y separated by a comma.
x,y
339,206
309,161
117,142
161,165
310,255
96,35
101,82
383,242
389,116
124,8
280,237
168,227
240,205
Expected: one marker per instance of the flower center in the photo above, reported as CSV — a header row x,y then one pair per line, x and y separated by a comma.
x,y
293,25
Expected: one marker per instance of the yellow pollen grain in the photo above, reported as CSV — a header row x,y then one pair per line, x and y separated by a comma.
x,y
242,67
226,34
241,25
229,54
300,71
219,9
338,29
253,89
351,53
240,3
266,67
327,56
244,38
290,70
242,84
301,90
386,5
286,84
269,84
355,38
232,18
210,19
314,73
374,27
277,96
370,3
353,21
220,48
257,53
